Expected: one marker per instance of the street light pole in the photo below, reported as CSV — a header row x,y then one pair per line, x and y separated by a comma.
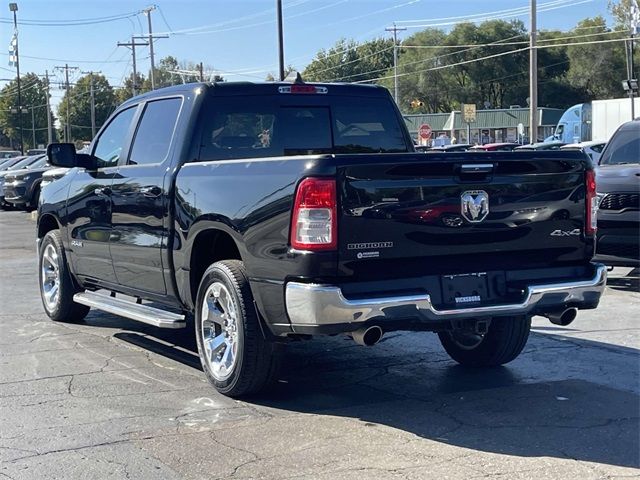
x,y
634,26
533,75
33,126
13,7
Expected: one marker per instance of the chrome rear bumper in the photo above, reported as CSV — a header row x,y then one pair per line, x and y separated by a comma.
x,y
313,305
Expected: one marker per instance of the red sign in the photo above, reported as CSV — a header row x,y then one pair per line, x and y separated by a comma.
x,y
425,131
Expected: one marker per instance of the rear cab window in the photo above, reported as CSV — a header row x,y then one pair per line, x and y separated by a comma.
x,y
283,125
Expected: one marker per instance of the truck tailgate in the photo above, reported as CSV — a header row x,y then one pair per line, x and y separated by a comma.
x,y
418,214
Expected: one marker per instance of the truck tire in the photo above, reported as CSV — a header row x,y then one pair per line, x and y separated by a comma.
x,y
236,357
57,287
503,342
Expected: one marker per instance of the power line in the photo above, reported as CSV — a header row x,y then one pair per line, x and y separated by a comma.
x,y
72,22
441,67
558,4
63,59
462,18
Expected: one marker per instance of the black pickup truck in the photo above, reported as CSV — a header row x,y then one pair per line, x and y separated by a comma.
x,y
279,211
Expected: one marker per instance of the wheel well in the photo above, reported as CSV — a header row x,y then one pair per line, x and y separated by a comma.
x,y
46,224
209,247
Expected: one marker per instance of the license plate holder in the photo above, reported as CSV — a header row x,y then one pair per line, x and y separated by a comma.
x,y
466,289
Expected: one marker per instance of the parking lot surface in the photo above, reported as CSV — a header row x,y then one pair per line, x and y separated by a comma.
x,y
112,399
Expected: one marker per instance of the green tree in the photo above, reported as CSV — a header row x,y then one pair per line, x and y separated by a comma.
x,y
125,92
597,69
79,103
34,98
350,61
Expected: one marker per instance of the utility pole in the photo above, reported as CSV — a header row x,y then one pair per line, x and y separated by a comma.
x,y
280,40
13,7
201,72
395,31
147,11
133,46
533,75
67,130
49,125
93,102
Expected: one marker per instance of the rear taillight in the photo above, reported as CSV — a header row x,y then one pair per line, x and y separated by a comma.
x,y
592,203
314,222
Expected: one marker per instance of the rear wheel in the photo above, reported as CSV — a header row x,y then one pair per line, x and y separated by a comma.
x,y
56,284
236,357
502,343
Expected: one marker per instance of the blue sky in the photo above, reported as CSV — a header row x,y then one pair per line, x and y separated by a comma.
x,y
238,37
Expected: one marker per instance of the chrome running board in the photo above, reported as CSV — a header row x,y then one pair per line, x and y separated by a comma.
x,y
134,311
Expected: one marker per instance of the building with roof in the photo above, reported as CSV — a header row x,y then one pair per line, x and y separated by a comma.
x,y
499,125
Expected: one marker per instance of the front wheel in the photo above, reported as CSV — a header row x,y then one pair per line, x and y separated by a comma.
x,y
236,357
56,284
503,342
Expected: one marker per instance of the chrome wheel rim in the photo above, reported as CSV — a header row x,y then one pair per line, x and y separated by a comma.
x,y
219,331
466,340
50,277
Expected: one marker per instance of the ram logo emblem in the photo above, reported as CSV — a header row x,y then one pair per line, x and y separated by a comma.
x,y
475,205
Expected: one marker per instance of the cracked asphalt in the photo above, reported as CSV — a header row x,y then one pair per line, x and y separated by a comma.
x,y
113,399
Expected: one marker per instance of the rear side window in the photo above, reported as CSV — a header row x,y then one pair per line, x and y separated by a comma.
x,y
624,147
254,127
366,126
155,131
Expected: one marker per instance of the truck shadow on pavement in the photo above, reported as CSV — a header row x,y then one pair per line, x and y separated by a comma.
x,y
564,398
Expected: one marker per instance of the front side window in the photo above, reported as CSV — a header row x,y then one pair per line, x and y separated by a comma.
x,y
109,146
155,131
624,147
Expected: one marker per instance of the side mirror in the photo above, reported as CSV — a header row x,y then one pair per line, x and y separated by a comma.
x,y
62,155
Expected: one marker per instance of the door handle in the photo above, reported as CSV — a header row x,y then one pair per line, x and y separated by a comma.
x,y
103,191
151,191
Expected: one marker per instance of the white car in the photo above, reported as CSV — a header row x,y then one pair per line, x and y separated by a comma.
x,y
593,148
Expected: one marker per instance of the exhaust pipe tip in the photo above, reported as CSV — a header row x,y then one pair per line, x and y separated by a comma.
x,y
563,318
367,337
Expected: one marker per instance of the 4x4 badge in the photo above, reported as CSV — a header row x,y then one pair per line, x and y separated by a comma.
x,y
565,233
474,205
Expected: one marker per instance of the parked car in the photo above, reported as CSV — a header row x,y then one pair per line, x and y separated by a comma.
x,y
455,147
247,208
7,163
541,146
495,147
593,148
51,175
9,154
19,165
618,181
37,151
22,187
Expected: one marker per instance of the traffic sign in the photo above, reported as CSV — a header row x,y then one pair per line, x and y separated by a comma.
x,y
468,113
425,131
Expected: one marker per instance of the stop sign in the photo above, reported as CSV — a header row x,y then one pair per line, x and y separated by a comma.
x,y
425,131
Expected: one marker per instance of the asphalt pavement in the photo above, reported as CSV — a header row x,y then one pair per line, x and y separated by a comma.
x,y
112,399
